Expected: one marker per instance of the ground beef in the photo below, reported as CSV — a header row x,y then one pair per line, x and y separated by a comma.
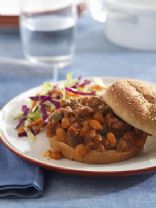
x,y
91,122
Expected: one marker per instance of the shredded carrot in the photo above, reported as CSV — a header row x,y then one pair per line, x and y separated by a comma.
x,y
97,87
70,94
39,123
20,130
36,122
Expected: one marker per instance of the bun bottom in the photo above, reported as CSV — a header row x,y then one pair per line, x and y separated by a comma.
x,y
93,156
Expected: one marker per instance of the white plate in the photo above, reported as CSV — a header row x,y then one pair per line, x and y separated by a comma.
x,y
145,162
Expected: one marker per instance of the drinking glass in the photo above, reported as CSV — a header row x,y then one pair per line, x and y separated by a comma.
x,y
47,29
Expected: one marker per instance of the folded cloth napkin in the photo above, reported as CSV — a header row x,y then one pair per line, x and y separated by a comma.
x,y
18,179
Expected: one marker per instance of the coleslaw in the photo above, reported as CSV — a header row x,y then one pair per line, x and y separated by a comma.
x,y
33,118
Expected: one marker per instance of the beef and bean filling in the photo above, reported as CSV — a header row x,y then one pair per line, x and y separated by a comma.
x,y
89,121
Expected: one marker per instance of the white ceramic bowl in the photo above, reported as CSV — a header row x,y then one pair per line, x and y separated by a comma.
x,y
130,23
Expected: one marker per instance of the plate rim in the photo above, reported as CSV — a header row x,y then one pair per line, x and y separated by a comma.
x,y
68,170
75,171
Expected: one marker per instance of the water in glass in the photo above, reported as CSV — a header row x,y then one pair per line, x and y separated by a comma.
x,y
49,38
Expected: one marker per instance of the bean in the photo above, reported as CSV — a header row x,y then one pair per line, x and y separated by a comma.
x,y
72,130
114,122
81,150
117,125
85,122
95,141
83,131
61,134
95,124
111,140
52,154
50,129
98,117
65,123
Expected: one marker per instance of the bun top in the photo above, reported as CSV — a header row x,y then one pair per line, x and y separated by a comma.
x,y
134,101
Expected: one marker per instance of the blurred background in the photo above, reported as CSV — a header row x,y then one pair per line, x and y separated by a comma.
x,y
111,35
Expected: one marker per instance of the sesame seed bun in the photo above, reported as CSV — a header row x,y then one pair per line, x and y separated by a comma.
x,y
93,156
133,101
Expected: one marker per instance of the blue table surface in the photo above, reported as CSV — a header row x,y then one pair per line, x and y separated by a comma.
x,y
95,56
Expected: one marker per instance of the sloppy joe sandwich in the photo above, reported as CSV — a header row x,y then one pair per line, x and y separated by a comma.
x,y
110,128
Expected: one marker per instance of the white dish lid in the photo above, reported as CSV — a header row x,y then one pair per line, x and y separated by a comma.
x,y
136,6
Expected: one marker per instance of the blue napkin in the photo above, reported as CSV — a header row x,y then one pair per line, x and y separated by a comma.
x,y
18,179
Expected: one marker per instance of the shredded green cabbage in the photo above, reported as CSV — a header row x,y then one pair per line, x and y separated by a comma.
x,y
35,115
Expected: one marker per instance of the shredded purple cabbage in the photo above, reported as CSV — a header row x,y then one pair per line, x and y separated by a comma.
x,y
21,121
22,134
78,92
75,85
85,82
44,98
44,112
81,84
56,103
40,98
25,110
